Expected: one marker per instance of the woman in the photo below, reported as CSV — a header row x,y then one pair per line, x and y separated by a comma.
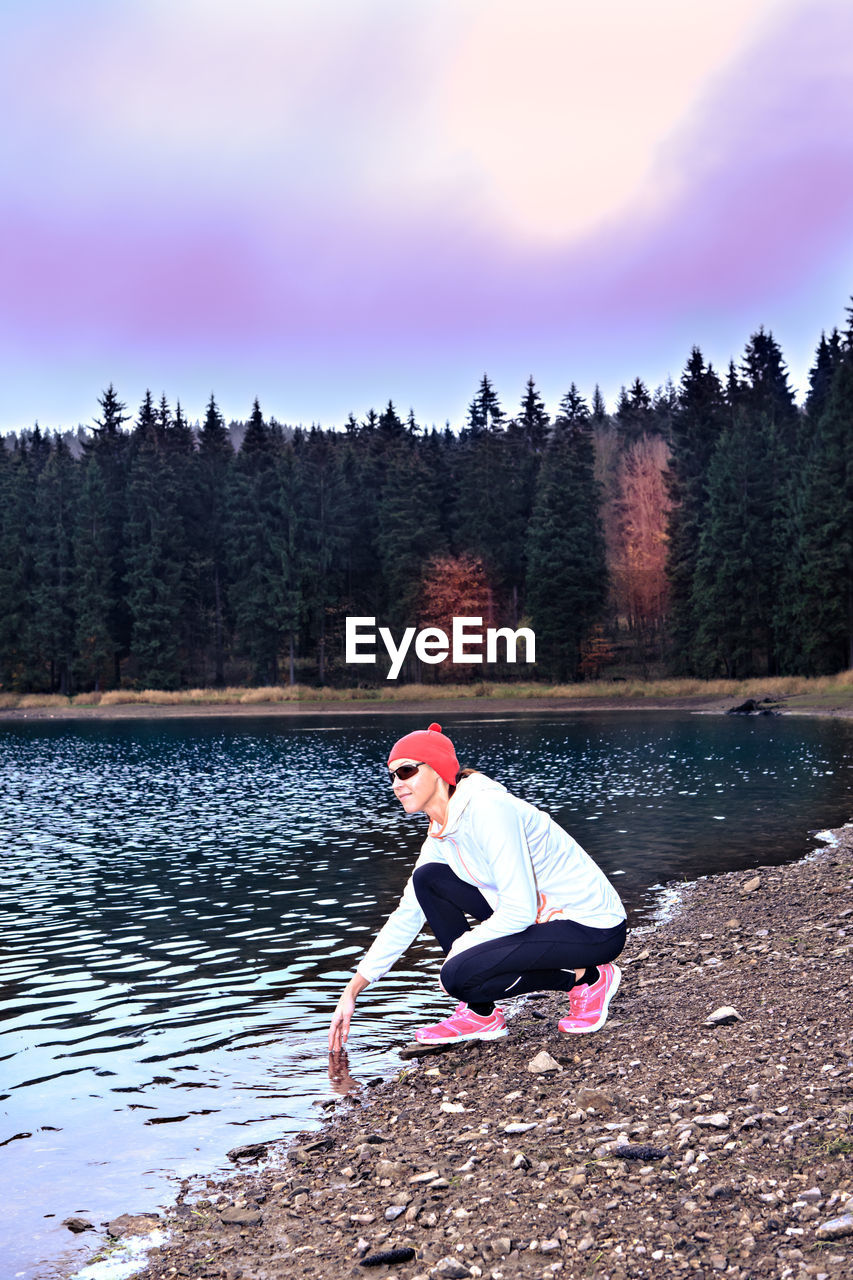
x,y
547,917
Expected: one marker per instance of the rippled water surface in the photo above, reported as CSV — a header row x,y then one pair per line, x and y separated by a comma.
x,y
181,902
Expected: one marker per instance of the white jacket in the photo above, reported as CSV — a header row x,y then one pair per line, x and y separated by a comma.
x,y
527,868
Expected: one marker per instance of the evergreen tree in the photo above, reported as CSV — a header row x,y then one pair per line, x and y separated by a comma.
x,y
598,409
526,438
635,415
156,566
695,430
164,419
322,536
412,526
390,425
38,451
489,518
254,525
258,437
827,359
146,422
490,512
215,459
95,605
821,585
109,446
485,412
360,471
17,495
566,567
764,387
288,545
664,409
180,440
736,583
54,587
532,421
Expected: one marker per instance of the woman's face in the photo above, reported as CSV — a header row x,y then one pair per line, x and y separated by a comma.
x,y
423,791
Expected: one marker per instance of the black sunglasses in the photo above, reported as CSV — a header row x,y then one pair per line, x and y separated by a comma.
x,y
405,771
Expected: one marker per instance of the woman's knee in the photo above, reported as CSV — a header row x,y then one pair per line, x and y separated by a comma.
x,y
433,876
459,978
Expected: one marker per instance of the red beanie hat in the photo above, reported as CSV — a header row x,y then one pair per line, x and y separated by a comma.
x,y
432,747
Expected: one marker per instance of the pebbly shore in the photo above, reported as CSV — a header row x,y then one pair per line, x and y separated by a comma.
x,y
704,1131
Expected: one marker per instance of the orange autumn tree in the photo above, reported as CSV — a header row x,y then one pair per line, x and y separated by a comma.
x,y
455,587
638,543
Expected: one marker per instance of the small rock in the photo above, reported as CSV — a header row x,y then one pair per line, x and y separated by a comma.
x,y
78,1224
430,1176
835,1228
450,1269
388,1257
241,1217
723,1016
719,1120
597,1098
549,1246
719,1262
362,1219
585,1243
500,1246
452,1108
543,1063
133,1224
394,1211
520,1161
751,885
639,1151
250,1151
518,1127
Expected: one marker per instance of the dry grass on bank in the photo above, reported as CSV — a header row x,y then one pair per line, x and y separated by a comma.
x,y
611,691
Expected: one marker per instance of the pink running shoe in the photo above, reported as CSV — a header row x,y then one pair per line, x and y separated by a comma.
x,y
464,1025
588,1005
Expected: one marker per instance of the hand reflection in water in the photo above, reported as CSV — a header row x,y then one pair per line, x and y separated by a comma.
x,y
339,1074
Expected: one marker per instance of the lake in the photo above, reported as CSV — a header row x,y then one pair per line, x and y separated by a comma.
x,y
181,903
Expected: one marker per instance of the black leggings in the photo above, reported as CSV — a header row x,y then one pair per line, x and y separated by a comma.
x,y
542,957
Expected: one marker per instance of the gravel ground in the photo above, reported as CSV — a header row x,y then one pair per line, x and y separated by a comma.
x,y
659,1146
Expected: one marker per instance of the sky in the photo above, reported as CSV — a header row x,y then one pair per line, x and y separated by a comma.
x,y
328,204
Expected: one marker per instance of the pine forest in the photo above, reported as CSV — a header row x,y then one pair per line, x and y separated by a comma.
x,y
702,529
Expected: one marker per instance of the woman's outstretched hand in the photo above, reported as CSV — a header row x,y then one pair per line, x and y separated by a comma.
x,y
341,1018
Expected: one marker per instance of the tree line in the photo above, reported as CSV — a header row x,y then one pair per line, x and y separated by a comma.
x,y
701,529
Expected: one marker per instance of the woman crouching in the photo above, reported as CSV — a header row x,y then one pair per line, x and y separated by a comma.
x,y
547,918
